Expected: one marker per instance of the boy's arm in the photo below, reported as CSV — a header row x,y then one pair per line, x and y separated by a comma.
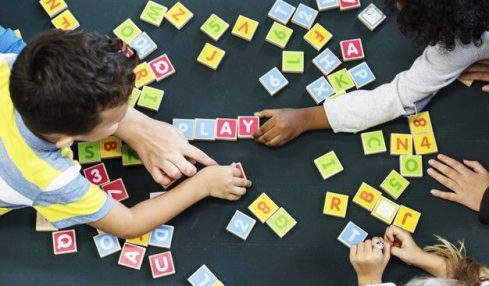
x,y
9,42
163,149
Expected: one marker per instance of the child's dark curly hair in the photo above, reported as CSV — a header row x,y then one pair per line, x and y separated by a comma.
x,y
443,21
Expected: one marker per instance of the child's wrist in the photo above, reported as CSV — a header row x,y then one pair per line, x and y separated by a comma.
x,y
433,264
369,279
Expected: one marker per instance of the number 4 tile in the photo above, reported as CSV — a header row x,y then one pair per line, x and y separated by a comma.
x,y
241,225
274,81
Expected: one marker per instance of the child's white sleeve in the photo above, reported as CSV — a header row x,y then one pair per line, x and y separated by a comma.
x,y
433,70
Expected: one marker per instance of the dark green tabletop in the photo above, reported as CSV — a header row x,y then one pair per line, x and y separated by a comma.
x,y
310,253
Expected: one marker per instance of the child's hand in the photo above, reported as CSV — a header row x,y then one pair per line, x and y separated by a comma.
x,y
478,71
369,261
403,245
468,181
283,126
223,182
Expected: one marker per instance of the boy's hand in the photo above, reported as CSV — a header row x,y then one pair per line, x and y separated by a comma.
x,y
403,245
369,261
478,71
468,181
283,126
223,182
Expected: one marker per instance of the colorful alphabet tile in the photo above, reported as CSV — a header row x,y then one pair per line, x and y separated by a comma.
x,y
385,210
89,152
281,12
328,165
281,222
241,225
304,16
211,56
371,17
349,4
155,194
292,61
110,147
341,80
162,236
273,81
425,143
179,15
53,7
407,218
141,240
318,36
362,75
467,83
151,98
420,123
127,31
401,144
64,241
130,157
239,166
143,45
263,207
411,166
205,129
373,142
352,234
320,89
335,204
18,33
116,189
245,28
43,224
106,244
214,27
203,277
279,35
153,13
325,5
226,129
65,21
247,126
144,75
161,264
186,126
326,62
97,174
162,67
394,184
352,50
132,256
366,196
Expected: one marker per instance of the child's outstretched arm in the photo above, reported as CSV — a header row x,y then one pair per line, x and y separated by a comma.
x,y
370,261
216,181
469,182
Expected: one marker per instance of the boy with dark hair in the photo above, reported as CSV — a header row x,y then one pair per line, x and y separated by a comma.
x,y
74,86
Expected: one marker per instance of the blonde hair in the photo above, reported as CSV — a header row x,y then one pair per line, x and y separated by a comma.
x,y
459,266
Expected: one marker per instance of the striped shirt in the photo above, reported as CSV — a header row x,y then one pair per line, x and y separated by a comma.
x,y
35,173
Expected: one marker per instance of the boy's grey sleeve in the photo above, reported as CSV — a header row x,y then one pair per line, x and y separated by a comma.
x,y
433,70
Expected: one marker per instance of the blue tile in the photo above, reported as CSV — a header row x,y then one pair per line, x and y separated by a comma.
x,y
281,12
320,89
273,81
205,129
352,234
241,225
203,277
326,62
106,244
161,236
361,75
186,126
304,16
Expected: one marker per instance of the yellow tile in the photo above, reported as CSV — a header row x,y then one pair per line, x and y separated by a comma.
x,y
318,36
144,75
211,56
142,240
335,204
401,144
468,83
366,197
245,28
178,15
111,147
263,207
420,123
65,21
425,143
407,218
53,7
18,34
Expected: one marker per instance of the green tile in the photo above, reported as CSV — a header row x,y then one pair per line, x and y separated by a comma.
x,y
328,165
127,31
281,222
214,27
373,142
89,152
279,35
411,166
150,98
130,157
341,80
394,184
292,62
133,98
153,13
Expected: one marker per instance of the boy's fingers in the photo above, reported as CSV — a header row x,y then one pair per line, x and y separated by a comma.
x,y
477,67
266,113
447,182
445,195
238,182
233,197
159,177
264,129
238,191
481,76
476,166
270,134
194,153
456,165
277,141
444,169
